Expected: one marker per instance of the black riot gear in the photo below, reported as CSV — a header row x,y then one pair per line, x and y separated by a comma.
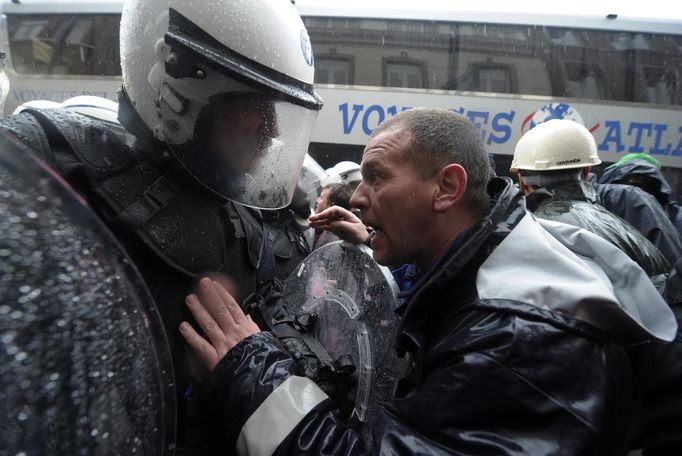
x,y
216,116
173,229
86,367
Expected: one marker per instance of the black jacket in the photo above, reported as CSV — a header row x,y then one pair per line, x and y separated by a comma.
x,y
514,348
650,178
642,211
575,203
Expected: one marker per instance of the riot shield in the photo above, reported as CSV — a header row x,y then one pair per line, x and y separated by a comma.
x,y
348,301
86,368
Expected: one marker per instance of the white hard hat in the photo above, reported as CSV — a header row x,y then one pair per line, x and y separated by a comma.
x,y
91,106
37,104
198,72
554,145
345,172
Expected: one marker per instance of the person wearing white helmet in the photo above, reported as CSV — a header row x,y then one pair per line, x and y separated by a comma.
x,y
344,172
36,104
216,112
97,107
552,161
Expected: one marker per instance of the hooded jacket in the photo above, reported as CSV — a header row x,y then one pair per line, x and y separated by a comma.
x,y
653,182
515,345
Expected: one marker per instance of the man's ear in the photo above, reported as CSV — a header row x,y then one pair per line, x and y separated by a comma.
x,y
525,188
451,183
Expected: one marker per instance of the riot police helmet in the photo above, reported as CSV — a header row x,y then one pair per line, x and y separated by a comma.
x,y
228,88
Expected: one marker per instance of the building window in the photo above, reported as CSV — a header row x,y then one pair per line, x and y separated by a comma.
x,y
65,44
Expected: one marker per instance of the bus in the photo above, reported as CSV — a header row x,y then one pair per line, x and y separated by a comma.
x,y
504,65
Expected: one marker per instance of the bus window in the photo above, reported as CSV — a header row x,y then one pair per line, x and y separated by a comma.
x,y
64,44
659,85
493,78
584,81
384,52
499,59
432,54
404,72
654,58
334,69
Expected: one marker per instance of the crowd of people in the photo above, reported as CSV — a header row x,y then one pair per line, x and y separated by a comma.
x,y
535,317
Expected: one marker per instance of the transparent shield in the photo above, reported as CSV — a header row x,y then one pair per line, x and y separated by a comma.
x,y
244,146
311,178
4,91
86,367
353,299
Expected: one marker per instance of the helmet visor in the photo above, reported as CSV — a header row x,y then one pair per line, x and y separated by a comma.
x,y
249,147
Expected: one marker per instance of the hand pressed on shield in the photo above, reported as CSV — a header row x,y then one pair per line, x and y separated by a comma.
x,y
221,319
341,222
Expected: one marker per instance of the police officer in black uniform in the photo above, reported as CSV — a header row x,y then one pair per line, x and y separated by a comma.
x,y
217,108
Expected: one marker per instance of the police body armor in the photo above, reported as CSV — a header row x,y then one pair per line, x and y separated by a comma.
x,y
174,231
85,362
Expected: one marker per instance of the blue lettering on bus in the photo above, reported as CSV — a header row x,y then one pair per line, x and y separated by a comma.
x,y
348,125
373,115
636,132
366,118
639,128
656,150
474,116
678,150
613,135
498,127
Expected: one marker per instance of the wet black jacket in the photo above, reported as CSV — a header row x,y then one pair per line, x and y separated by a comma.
x,y
174,232
513,347
653,183
642,211
575,203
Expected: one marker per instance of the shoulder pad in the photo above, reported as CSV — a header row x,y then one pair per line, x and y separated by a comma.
x,y
27,128
101,147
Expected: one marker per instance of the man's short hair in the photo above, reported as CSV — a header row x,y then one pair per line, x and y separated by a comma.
x,y
339,195
441,137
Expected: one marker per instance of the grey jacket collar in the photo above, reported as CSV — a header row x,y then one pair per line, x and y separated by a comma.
x,y
566,269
